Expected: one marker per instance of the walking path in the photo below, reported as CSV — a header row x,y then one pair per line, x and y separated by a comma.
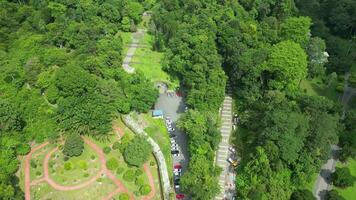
x,y
162,166
223,151
136,37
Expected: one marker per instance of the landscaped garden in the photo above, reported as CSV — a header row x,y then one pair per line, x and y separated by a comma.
x,y
120,166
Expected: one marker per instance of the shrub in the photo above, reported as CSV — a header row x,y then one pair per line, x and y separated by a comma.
x,y
138,172
145,190
340,88
112,164
120,170
124,197
129,175
86,175
152,163
116,145
92,157
83,164
302,195
23,149
107,150
33,164
38,173
342,177
139,181
334,195
68,166
73,146
137,152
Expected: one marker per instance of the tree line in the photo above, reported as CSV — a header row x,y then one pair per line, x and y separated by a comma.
x,y
60,64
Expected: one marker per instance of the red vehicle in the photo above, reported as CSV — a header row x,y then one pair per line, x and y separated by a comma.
x,y
180,196
177,166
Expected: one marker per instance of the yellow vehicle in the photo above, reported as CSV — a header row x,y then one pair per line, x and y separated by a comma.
x,y
232,162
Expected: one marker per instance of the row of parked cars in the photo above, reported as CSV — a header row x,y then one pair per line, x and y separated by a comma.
x,y
177,169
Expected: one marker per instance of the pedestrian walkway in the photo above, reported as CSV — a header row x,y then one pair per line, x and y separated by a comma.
x,y
136,37
223,150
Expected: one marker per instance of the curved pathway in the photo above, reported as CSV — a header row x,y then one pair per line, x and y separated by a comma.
x,y
27,170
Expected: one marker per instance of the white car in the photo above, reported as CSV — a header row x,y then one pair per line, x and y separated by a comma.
x,y
232,149
171,129
177,173
177,170
173,141
173,148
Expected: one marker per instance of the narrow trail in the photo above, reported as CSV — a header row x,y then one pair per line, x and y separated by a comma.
x,y
27,170
151,181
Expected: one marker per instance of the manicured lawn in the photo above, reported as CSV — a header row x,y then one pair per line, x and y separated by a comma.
x,y
316,87
157,130
126,41
75,170
350,192
97,190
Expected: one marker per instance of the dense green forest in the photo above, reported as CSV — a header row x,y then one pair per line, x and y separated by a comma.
x,y
266,49
60,72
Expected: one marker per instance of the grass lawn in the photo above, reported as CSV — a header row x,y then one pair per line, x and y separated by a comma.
x,y
97,190
350,192
157,130
126,41
316,87
75,170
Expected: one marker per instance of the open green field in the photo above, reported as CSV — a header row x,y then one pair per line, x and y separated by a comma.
x,y
157,130
316,87
350,192
76,169
98,190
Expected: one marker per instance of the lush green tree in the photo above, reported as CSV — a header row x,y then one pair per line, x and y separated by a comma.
x,y
334,195
112,164
73,146
302,195
296,29
342,177
287,66
10,118
137,151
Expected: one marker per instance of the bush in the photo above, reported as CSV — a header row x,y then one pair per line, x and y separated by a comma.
x,y
112,164
83,164
124,197
86,175
92,157
137,152
333,195
68,166
129,175
342,177
340,88
107,150
139,181
138,172
302,195
116,145
23,149
145,190
33,164
38,173
120,170
152,163
73,146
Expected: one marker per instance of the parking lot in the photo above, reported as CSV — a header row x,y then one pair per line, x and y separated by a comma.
x,y
173,106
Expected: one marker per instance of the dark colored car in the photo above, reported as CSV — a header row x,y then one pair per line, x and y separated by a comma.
x,y
175,152
180,196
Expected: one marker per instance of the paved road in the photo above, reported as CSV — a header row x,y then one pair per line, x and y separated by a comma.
x,y
322,185
136,37
227,191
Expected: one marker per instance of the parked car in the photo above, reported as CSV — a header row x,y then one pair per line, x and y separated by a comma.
x,y
177,166
180,196
176,186
232,149
171,129
177,173
173,141
177,170
232,162
172,135
174,152
174,148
